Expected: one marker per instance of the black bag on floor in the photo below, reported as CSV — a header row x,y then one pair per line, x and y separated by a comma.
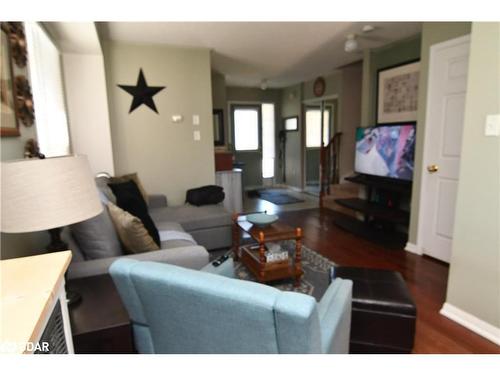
x,y
210,194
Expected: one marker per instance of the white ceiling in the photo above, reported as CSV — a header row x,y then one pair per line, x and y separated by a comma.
x,y
75,37
284,53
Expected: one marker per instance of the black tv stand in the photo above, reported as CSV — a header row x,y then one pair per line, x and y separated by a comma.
x,y
384,222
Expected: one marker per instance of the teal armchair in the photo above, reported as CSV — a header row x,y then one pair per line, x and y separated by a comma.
x,y
178,310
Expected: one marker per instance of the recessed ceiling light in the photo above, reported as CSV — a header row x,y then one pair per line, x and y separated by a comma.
x,y
263,84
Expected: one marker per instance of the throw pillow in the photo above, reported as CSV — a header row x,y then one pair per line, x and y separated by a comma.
x,y
129,198
130,177
96,237
132,233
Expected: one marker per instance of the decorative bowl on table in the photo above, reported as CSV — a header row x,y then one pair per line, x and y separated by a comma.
x,y
262,220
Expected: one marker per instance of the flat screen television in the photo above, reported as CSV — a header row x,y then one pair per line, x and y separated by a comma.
x,y
386,151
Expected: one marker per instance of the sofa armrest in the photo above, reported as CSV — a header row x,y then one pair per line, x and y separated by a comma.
x,y
157,200
335,317
194,257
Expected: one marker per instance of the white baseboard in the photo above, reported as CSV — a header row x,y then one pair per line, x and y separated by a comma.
x,y
412,248
471,322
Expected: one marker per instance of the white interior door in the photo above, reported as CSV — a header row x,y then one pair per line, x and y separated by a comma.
x,y
447,87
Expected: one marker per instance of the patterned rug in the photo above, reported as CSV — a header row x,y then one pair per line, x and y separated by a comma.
x,y
314,281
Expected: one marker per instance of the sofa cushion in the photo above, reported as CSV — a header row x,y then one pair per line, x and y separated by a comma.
x,y
129,198
192,218
132,233
96,237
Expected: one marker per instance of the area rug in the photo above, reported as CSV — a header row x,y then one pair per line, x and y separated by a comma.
x,y
314,282
278,197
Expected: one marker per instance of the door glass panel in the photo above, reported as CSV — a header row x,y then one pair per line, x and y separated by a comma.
x,y
313,127
268,140
246,129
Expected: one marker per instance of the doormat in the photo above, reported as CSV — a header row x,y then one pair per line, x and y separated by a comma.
x,y
278,197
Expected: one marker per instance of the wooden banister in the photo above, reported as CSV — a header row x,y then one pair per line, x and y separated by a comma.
x,y
329,165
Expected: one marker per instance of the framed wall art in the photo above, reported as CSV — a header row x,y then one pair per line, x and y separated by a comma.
x,y
9,122
397,93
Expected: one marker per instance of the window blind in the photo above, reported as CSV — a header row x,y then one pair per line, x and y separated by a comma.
x,y
48,92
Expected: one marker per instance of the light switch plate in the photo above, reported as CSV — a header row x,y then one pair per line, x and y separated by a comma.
x,y
196,120
197,135
492,128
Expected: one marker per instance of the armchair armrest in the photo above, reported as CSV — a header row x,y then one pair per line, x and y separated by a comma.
x,y
225,269
335,317
194,257
157,200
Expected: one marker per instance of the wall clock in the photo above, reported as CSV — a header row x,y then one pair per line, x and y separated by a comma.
x,y
319,86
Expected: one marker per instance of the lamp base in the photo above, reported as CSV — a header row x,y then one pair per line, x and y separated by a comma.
x,y
72,297
56,244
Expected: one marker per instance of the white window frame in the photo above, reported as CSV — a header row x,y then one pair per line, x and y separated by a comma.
x,y
48,92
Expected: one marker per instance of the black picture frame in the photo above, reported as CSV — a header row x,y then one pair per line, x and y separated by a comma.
x,y
290,119
404,117
218,124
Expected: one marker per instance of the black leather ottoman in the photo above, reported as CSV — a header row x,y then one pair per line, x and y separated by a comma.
x,y
383,311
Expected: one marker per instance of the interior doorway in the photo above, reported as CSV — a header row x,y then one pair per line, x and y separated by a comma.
x,y
320,123
253,129
448,69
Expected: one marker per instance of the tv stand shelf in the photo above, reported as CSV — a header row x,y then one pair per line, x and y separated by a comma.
x,y
381,183
376,210
383,220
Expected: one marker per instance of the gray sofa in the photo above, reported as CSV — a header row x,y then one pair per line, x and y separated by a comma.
x,y
207,227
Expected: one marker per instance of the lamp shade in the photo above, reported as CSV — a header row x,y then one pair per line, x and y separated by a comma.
x,y
40,194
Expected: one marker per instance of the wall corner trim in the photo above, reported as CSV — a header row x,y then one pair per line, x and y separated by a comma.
x,y
412,248
471,322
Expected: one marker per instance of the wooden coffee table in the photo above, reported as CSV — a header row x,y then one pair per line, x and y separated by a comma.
x,y
255,259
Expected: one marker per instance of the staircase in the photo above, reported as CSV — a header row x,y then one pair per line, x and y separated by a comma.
x,y
329,167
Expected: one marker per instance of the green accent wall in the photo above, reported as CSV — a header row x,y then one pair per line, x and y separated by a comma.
x,y
474,278
432,33
291,105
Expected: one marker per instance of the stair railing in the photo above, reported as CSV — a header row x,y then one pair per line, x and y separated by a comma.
x,y
329,166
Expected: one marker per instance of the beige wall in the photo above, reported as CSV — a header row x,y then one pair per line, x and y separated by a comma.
x,y
432,33
87,106
474,279
163,153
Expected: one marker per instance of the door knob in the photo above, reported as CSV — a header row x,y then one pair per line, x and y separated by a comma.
x,y
433,168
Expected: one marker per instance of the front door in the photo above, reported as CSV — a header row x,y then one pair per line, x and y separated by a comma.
x,y
447,87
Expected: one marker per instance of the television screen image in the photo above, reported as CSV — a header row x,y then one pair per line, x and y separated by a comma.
x,y
386,151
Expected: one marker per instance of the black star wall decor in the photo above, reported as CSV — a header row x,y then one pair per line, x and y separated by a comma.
x,y
142,93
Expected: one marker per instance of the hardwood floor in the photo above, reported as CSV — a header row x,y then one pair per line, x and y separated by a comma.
x,y
425,277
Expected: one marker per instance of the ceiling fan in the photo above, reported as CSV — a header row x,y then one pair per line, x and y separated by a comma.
x,y
352,45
